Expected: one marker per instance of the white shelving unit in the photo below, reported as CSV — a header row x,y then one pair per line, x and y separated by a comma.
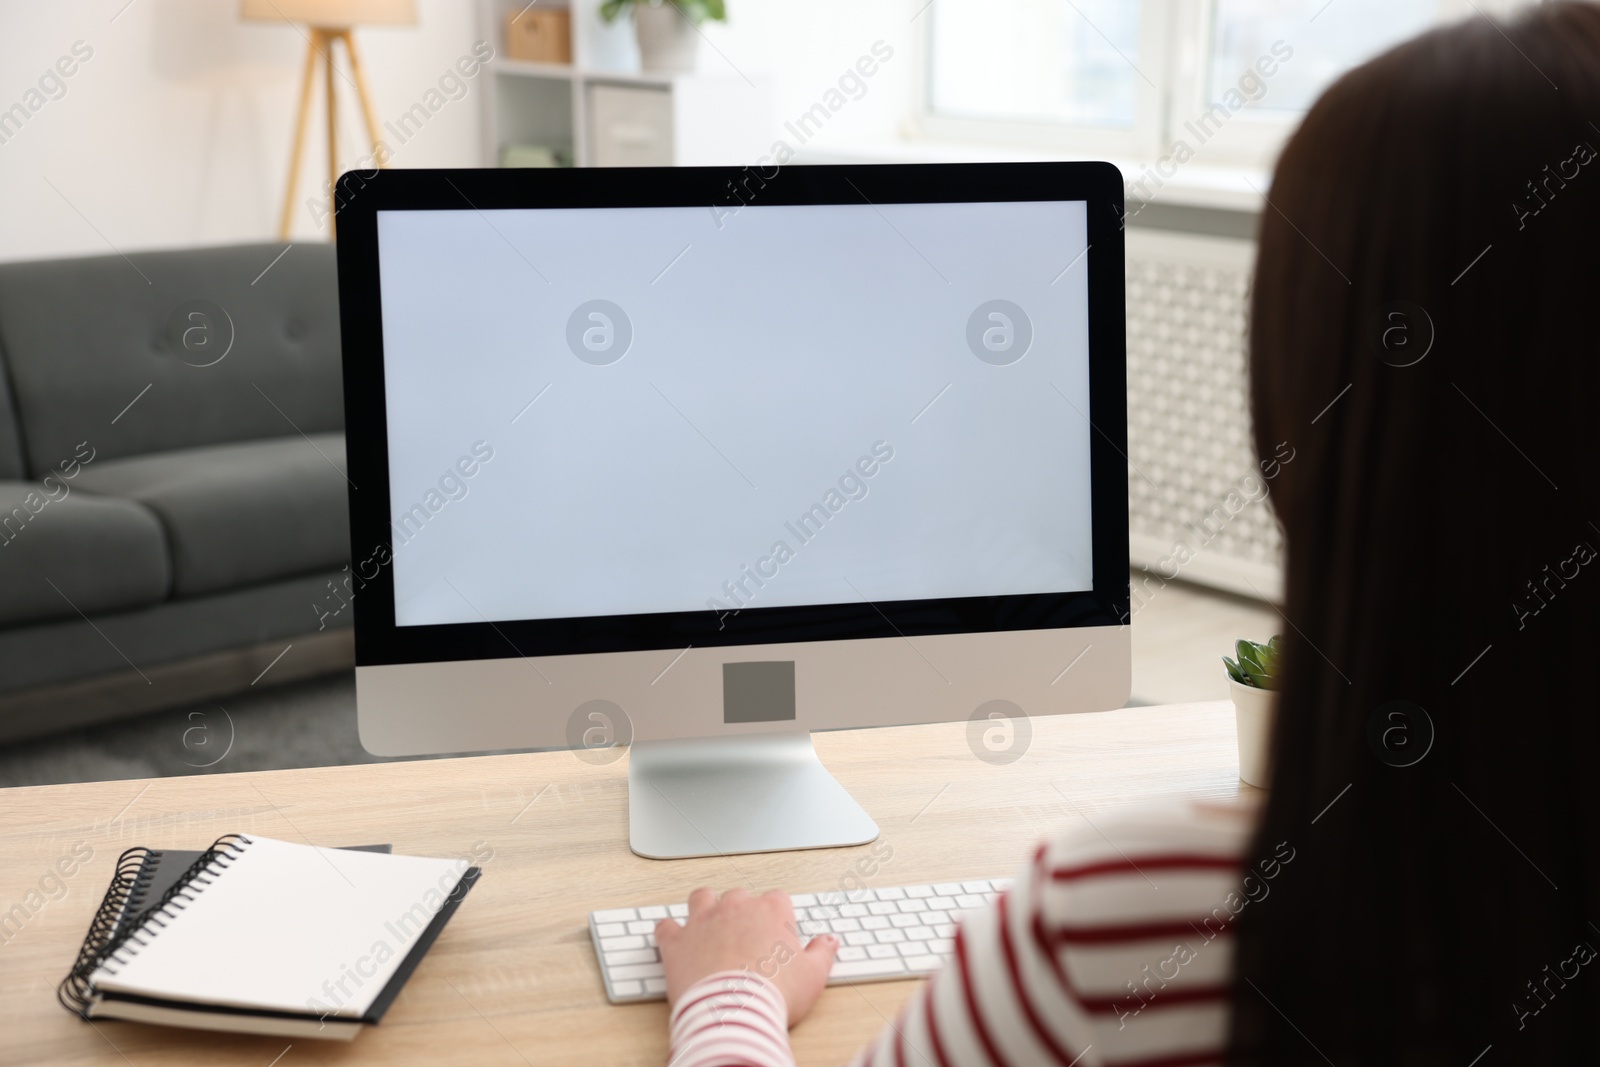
x,y
603,111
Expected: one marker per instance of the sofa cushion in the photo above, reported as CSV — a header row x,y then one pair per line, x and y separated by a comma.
x,y
240,514
207,345
11,461
64,551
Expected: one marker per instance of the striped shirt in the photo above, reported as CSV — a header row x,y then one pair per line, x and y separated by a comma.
x,y
1113,947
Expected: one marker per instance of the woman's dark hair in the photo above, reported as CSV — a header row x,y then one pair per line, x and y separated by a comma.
x,y
1423,335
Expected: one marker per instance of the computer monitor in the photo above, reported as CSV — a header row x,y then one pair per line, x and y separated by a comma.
x,y
701,460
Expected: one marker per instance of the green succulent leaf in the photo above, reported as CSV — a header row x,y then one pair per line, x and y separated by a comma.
x,y
696,11
1257,663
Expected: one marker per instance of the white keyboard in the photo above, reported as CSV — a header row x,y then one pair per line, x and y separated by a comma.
x,y
903,931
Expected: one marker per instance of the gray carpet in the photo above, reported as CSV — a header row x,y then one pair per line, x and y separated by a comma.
x,y
304,724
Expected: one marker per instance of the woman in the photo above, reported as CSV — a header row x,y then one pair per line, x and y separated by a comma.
x,y
1422,883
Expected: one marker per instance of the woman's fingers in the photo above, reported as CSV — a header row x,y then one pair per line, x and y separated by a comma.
x,y
700,900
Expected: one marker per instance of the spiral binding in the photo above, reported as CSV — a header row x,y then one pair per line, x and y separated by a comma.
x,y
114,938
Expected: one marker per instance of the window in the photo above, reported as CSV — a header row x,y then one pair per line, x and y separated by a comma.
x,y
1036,60
1131,79
1327,38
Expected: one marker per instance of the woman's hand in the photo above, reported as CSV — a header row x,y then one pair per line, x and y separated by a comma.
x,y
739,932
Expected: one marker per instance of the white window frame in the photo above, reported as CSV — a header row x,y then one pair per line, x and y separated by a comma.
x,y
1174,54
1140,139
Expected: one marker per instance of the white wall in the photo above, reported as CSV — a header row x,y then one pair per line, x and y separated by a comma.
x,y
806,46
176,131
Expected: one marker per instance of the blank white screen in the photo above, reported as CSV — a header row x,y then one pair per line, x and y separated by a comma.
x,y
772,349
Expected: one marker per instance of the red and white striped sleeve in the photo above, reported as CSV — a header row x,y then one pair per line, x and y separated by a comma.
x,y
730,1019
1113,948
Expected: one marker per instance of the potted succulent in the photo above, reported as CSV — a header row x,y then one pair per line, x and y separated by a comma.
x,y
1253,682
668,30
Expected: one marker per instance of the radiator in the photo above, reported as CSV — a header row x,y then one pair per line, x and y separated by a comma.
x,y
1188,425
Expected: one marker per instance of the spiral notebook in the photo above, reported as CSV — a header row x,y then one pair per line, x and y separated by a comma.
x,y
257,935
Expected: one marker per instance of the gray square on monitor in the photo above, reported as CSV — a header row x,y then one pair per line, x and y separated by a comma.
x,y
758,692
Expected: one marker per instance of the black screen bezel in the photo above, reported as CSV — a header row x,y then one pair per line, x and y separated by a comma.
x,y
362,194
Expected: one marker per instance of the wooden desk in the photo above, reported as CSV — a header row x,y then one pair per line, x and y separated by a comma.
x,y
513,979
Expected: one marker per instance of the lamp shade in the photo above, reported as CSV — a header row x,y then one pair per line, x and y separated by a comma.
x,y
331,13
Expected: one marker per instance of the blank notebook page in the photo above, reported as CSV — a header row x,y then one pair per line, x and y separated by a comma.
x,y
281,920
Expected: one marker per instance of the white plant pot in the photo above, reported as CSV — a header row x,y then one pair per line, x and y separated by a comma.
x,y
668,43
1253,713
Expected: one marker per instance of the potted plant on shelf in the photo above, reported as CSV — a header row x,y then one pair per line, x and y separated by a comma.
x,y
668,30
1253,681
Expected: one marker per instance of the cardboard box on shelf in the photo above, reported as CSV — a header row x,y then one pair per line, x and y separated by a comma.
x,y
539,36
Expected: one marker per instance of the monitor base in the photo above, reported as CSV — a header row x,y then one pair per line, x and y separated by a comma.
x,y
719,796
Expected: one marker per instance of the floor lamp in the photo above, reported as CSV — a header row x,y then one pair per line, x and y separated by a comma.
x,y
327,23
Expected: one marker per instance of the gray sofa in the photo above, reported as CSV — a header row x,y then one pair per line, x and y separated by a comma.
x,y
172,507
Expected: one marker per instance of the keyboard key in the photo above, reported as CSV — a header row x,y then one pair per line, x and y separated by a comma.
x,y
868,968
887,932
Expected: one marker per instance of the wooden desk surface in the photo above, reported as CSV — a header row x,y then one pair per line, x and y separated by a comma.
x,y
513,979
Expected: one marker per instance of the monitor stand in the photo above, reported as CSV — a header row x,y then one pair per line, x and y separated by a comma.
x,y
718,796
